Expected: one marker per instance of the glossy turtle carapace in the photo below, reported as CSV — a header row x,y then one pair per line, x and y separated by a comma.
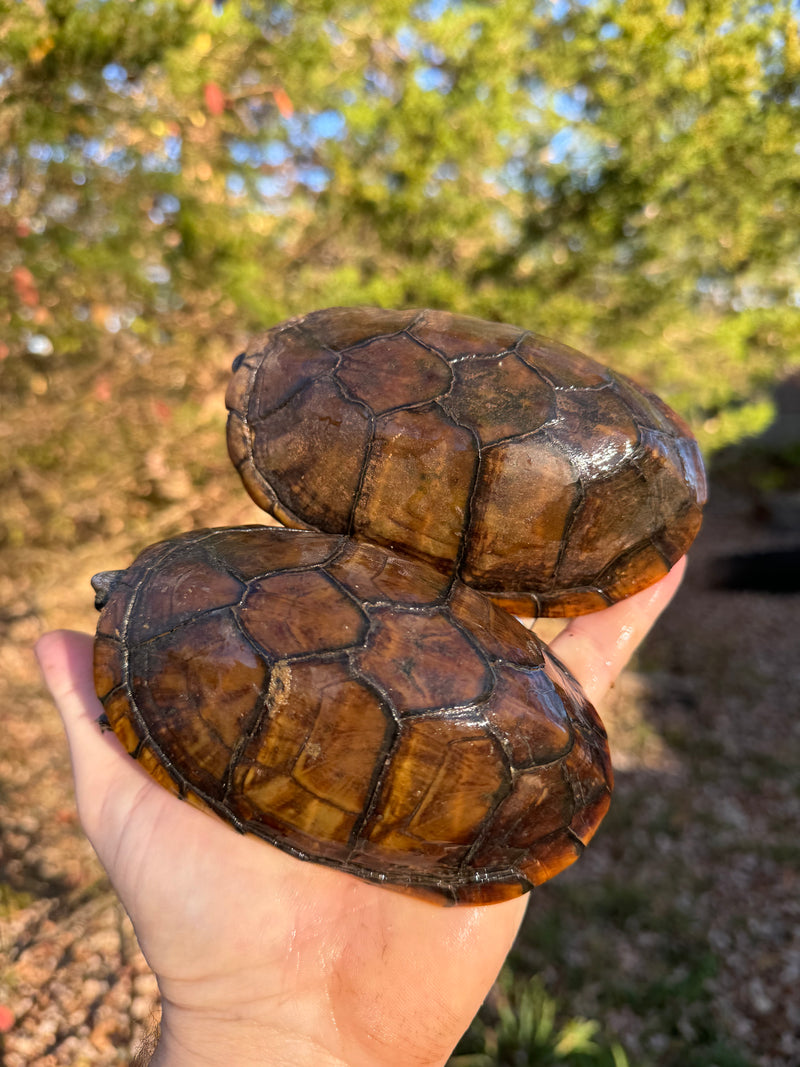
x,y
352,690
534,474
353,708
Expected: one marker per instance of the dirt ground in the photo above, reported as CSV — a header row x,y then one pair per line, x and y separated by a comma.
x,y
706,733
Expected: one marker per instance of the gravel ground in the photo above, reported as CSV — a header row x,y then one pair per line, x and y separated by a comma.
x,y
74,988
700,849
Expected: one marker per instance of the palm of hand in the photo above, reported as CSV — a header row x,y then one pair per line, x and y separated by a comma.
x,y
234,928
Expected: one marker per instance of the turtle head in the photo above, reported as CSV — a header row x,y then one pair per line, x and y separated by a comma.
x,y
104,585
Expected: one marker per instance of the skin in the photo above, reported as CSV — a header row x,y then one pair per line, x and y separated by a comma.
x,y
264,959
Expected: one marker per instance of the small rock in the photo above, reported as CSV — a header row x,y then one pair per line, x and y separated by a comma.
x,y
141,1008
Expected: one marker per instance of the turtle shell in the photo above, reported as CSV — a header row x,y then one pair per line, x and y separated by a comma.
x,y
534,474
352,707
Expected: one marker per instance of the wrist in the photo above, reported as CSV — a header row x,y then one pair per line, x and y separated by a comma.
x,y
192,1039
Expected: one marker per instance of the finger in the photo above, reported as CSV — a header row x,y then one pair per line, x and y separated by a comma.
x,y
65,658
595,648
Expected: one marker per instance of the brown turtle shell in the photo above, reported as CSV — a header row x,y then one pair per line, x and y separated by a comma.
x,y
345,689
534,474
353,708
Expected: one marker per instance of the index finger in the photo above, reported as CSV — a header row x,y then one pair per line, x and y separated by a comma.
x,y
595,648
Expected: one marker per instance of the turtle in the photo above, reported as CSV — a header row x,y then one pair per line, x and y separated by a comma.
x,y
344,704
531,472
352,686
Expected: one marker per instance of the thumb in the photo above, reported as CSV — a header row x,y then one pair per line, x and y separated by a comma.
x,y
99,763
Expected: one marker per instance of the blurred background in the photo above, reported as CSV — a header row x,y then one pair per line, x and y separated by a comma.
x,y
625,176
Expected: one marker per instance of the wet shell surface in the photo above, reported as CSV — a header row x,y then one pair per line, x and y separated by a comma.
x,y
531,472
338,701
352,689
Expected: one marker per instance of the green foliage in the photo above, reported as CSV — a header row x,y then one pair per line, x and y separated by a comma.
x,y
12,900
521,1027
619,945
625,175
175,175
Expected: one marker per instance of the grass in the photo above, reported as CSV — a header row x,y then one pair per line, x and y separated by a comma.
x,y
12,900
621,962
523,1026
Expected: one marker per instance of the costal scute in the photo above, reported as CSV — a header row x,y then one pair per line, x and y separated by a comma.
x,y
351,690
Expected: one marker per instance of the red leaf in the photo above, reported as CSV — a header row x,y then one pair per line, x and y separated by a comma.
x,y
102,390
282,102
6,1019
214,97
25,286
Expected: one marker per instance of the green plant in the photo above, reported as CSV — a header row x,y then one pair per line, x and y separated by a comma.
x,y
522,1026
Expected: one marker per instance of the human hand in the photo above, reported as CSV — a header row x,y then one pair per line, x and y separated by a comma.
x,y
264,959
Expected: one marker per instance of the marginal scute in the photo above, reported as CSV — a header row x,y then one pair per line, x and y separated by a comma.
x,y
107,665
694,474
113,616
621,578
551,856
589,815
582,713
119,712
